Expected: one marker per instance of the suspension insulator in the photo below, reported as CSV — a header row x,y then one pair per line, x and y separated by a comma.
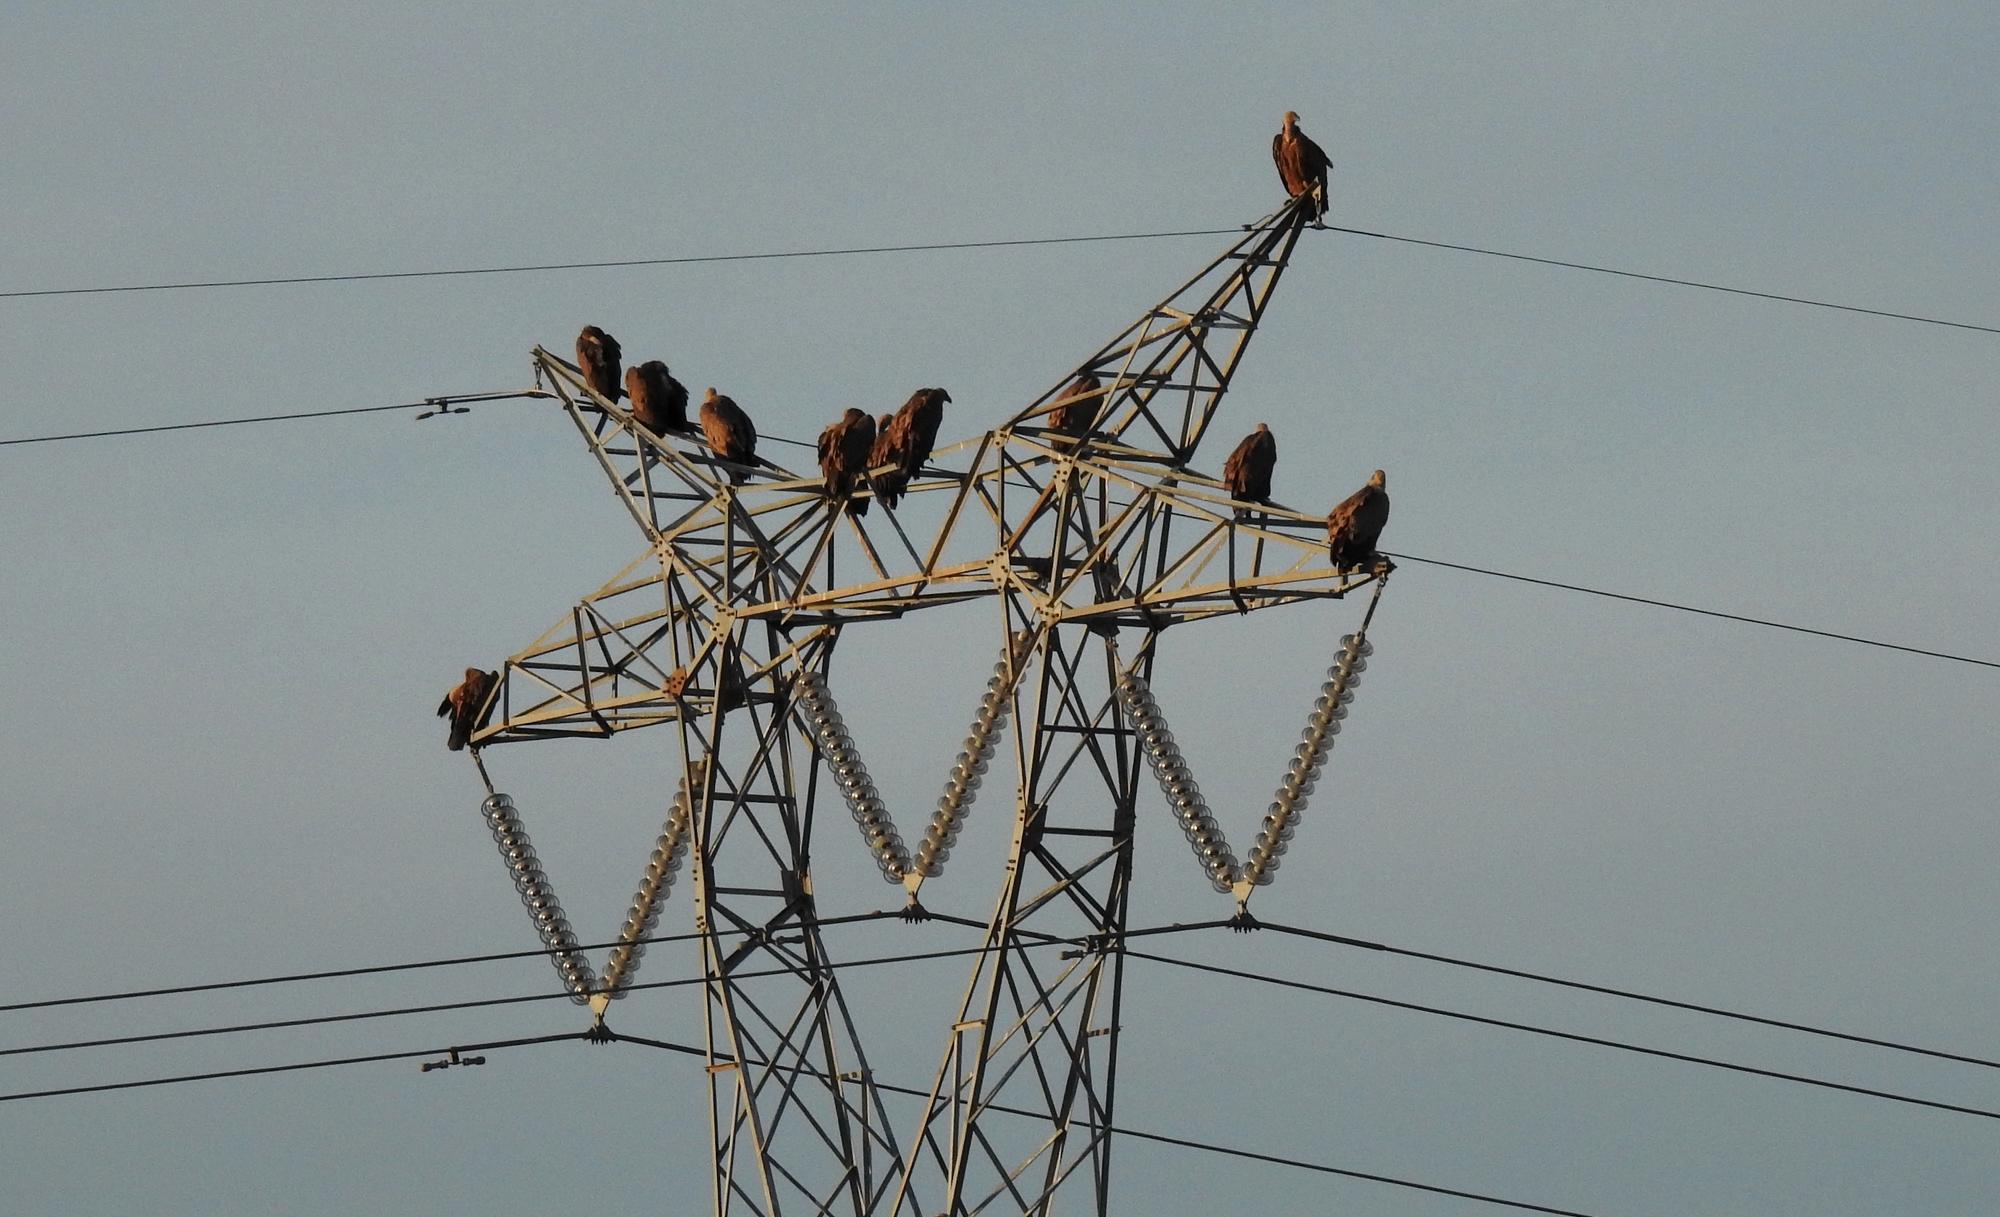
x,y
503,820
654,887
1281,820
1170,770
989,723
823,721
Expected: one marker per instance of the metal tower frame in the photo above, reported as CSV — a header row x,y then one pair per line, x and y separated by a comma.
x,y
1090,545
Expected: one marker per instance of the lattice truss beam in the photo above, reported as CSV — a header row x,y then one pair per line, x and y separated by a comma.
x,y
1091,541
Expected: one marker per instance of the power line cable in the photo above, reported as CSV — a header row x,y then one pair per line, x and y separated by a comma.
x,y
909,957
1689,608
253,1071
1181,1142
934,246
1571,1036
377,969
480,1003
537,268
1633,274
1628,994
496,1045
431,402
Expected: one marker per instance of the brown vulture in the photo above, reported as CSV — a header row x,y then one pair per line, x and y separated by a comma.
x,y
885,463
463,705
1355,525
921,415
1247,472
1075,418
729,431
597,358
1301,164
843,457
659,402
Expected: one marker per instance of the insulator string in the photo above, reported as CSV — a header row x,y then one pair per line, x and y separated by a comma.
x,y
1170,770
654,887
503,820
828,729
961,787
1281,819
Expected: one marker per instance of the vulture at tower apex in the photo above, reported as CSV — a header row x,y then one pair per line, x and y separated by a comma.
x,y
1301,164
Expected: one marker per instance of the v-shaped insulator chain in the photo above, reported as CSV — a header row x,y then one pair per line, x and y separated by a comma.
x,y
1282,818
504,822
1170,769
654,887
967,771
828,728
824,722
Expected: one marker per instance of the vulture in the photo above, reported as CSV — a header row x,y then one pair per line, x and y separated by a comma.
x,y
1301,164
728,430
659,402
885,463
463,704
1353,527
843,457
597,358
1077,417
1247,472
920,418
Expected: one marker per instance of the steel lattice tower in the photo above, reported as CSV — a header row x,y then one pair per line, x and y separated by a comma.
x,y
1090,541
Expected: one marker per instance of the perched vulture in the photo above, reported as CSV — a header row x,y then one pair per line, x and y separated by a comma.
x,y
463,704
885,463
1301,164
1353,527
1077,417
1247,472
597,358
843,457
728,430
659,402
920,417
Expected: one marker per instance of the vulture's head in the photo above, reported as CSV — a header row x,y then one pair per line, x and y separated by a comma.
x,y
1291,119
1380,481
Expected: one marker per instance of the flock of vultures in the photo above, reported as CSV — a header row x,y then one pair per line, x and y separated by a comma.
x,y
882,455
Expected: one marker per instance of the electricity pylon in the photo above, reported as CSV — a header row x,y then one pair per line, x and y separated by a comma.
x,y
1083,519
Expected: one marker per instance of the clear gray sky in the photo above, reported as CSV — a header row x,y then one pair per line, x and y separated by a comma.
x,y
224,647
